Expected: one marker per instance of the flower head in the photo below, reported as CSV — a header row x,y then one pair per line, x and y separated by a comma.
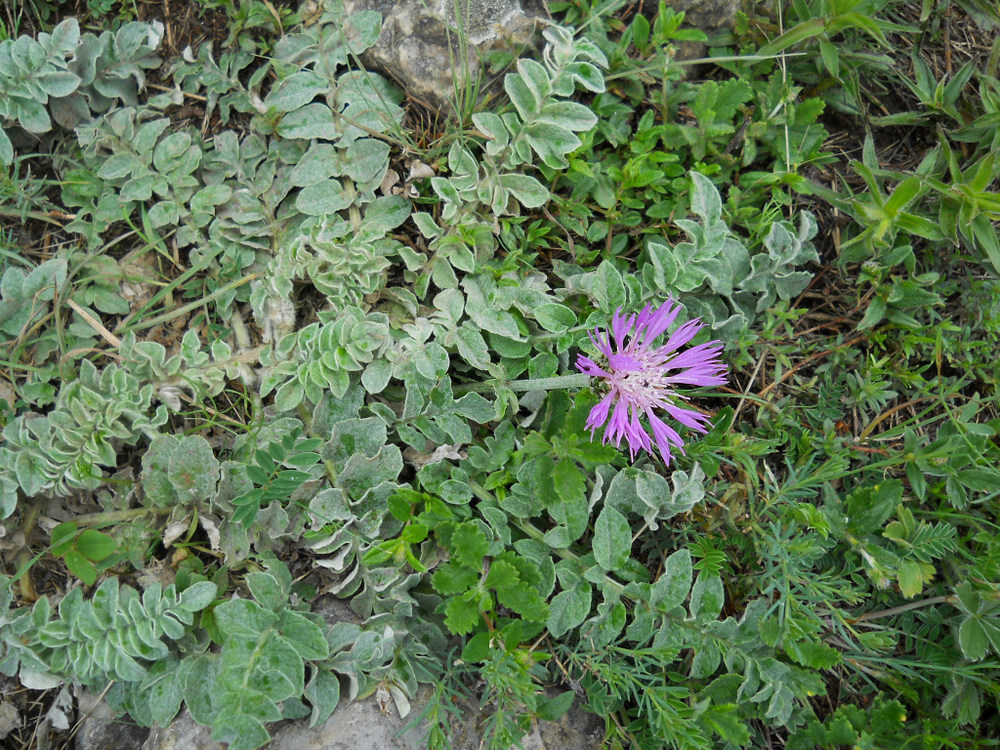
x,y
640,378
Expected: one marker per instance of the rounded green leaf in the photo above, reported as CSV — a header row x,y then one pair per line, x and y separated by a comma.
x,y
81,567
94,545
555,317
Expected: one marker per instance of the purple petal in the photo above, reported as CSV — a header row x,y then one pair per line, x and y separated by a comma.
x,y
599,414
617,424
659,321
588,366
624,363
681,336
636,435
621,327
701,354
601,344
687,417
665,437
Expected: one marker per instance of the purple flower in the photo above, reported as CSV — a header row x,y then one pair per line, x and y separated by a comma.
x,y
640,378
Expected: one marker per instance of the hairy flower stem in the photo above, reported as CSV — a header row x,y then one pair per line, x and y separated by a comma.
x,y
903,608
118,516
523,386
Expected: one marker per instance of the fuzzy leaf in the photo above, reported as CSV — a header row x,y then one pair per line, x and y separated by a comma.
x,y
6,148
672,587
568,609
296,91
311,121
707,597
612,539
323,692
529,192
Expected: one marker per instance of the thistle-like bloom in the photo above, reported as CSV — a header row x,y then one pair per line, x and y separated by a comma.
x,y
640,378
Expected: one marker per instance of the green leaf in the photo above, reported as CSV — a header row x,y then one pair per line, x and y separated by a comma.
x,y
812,654
568,481
568,115
6,149
62,537
794,36
80,566
705,200
305,636
21,293
528,191
551,143
94,545
197,596
242,731
32,115
986,240
469,544
165,695
298,90
414,533
58,83
243,616
324,198
972,639
609,288
869,507
193,469
612,539
266,590
672,587
461,615
311,121
323,692
520,95
535,79
128,669
477,648
555,317
552,709
726,721
910,578
450,579
568,609
210,196
522,598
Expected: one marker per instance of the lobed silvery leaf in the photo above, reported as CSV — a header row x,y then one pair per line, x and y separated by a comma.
x,y
612,543
296,91
528,191
570,607
329,44
22,295
179,471
772,275
308,122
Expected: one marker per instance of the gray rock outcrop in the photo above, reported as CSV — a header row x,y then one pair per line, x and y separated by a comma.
x,y
434,49
710,16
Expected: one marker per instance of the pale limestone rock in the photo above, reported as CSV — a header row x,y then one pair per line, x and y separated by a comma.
x,y
434,52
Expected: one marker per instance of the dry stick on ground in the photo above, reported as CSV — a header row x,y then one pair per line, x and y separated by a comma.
x,y
169,89
166,23
95,324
